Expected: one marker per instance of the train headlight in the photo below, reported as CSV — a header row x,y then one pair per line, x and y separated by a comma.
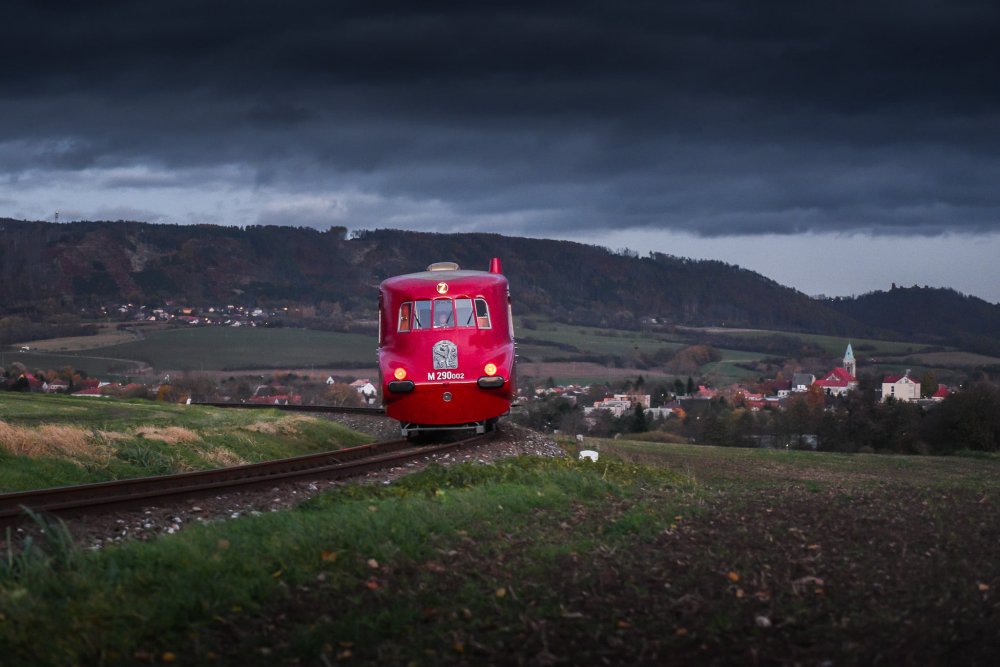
x,y
490,369
399,374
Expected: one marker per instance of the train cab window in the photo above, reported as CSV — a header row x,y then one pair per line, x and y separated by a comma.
x,y
421,315
444,314
404,317
464,313
482,314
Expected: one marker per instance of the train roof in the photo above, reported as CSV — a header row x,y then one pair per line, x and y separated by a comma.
x,y
461,279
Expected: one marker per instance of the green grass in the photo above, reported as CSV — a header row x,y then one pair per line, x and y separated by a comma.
x,y
98,607
835,345
628,558
220,348
589,341
78,440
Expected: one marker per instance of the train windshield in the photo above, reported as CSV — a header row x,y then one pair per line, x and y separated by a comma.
x,y
421,315
444,314
463,312
464,316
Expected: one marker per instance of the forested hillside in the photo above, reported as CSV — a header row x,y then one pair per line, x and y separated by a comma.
x,y
48,269
928,314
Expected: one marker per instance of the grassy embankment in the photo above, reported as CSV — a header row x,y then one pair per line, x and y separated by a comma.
x,y
656,554
56,440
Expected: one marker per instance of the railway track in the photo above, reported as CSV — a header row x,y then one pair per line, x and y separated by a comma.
x,y
84,499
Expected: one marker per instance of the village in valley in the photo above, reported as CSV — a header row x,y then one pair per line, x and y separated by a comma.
x,y
836,407
840,409
836,383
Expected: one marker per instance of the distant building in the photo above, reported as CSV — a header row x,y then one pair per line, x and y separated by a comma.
x,y
55,386
942,393
849,364
620,404
840,380
366,389
617,405
837,382
802,381
900,387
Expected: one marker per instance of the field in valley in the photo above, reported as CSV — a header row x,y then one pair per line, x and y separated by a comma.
x,y
229,349
566,353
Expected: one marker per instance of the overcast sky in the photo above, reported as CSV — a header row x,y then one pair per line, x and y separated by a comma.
x,y
835,147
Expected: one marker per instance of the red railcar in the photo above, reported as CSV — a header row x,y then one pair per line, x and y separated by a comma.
x,y
446,348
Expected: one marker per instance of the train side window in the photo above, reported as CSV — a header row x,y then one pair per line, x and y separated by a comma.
x,y
510,319
464,313
482,313
404,317
444,314
421,315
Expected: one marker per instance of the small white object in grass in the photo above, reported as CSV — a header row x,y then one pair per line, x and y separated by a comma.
x,y
588,454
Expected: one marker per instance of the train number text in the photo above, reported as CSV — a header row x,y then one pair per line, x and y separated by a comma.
x,y
445,375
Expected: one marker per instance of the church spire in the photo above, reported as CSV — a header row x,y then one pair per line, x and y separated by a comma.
x,y
849,364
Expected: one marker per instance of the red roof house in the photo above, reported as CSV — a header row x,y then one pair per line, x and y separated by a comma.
x,y
837,382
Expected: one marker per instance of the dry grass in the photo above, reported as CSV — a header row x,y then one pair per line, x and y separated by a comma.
x,y
51,440
223,457
170,434
285,425
269,428
112,436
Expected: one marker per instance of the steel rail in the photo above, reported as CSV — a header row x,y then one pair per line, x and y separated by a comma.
x,y
90,498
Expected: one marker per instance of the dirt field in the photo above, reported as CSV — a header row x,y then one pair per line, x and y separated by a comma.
x,y
770,561
108,335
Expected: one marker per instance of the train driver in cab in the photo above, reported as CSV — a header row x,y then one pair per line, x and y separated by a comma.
x,y
443,316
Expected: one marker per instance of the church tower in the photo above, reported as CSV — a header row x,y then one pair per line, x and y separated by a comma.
x,y
849,364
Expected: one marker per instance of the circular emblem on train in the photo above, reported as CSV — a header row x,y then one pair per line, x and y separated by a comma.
x,y
445,355
442,288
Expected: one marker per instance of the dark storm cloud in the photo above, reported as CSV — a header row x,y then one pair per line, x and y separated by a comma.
x,y
716,117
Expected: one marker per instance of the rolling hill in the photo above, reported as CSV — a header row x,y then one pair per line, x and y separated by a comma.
x,y
48,268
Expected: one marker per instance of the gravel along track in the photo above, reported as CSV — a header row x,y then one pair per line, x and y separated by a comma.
x,y
95,531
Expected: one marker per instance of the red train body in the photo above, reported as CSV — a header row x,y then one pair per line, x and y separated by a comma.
x,y
446,348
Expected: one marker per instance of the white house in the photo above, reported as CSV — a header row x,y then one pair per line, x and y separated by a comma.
x,y
900,387
366,389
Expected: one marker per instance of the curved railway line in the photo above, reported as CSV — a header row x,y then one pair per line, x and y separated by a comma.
x,y
104,496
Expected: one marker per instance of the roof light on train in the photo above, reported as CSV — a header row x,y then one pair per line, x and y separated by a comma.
x,y
490,369
399,374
